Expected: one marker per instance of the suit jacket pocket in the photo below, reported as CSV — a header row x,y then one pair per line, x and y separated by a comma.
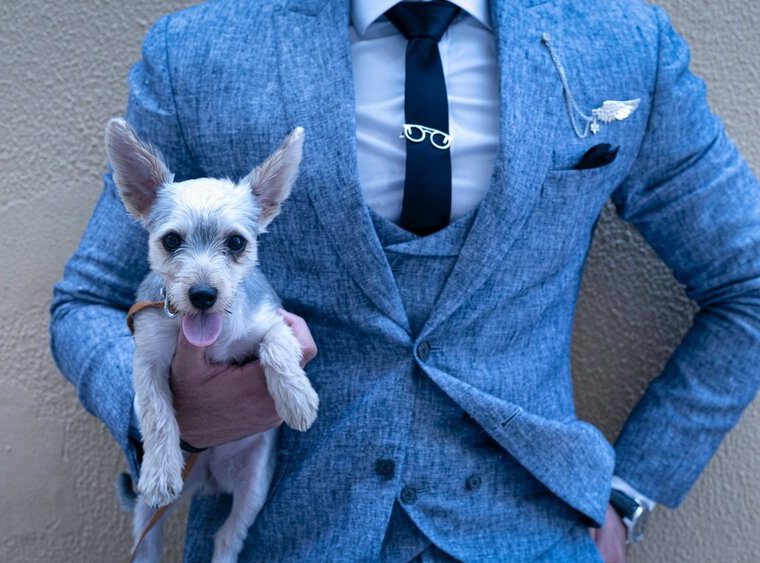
x,y
588,188
572,177
563,219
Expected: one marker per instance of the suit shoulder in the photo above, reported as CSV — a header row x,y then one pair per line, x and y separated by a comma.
x,y
614,34
211,30
610,16
216,18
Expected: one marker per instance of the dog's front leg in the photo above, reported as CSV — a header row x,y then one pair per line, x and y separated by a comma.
x,y
161,471
294,398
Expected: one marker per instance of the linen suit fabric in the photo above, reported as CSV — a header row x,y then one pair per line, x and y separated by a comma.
x,y
218,87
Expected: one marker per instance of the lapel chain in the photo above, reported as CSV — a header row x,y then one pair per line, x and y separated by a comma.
x,y
610,110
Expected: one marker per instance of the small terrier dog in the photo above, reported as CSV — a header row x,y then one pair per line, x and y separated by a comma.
x,y
203,259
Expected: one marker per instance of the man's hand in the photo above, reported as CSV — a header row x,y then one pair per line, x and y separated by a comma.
x,y
219,403
610,538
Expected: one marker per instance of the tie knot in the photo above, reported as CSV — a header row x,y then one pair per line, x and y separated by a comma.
x,y
423,19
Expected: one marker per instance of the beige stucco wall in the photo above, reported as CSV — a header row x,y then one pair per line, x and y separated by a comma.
x,y
62,74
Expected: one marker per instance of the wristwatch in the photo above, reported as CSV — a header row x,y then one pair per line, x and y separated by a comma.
x,y
633,512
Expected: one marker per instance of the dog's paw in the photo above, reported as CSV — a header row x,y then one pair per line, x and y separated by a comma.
x,y
297,403
160,485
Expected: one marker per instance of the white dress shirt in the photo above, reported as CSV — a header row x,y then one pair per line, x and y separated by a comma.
x,y
468,56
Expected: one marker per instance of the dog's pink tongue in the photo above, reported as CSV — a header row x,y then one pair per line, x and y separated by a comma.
x,y
202,329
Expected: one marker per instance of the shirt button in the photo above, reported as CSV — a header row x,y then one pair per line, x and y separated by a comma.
x,y
474,482
423,350
385,467
408,494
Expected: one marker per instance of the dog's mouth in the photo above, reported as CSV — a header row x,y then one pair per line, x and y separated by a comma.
x,y
202,329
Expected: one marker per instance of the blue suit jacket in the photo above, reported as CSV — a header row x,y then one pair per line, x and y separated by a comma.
x,y
218,87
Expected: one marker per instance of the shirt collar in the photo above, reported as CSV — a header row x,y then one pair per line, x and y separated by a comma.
x,y
365,12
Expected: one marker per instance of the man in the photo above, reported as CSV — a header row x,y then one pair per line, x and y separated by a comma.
x,y
446,425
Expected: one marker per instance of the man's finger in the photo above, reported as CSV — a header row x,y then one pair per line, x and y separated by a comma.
x,y
289,318
302,333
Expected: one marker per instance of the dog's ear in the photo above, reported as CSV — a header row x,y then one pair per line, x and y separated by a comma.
x,y
138,169
272,181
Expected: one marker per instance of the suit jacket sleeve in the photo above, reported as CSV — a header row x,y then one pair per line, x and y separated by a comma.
x,y
89,338
695,201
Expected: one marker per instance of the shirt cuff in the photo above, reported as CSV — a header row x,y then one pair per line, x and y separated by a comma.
x,y
620,485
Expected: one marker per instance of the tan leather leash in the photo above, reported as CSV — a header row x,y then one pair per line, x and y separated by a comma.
x,y
192,458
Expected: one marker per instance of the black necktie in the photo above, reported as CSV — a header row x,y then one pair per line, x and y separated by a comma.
x,y
427,188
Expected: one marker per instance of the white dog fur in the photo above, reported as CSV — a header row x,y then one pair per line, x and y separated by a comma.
x,y
204,214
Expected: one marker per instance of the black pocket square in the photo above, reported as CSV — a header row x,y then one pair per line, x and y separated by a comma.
x,y
596,156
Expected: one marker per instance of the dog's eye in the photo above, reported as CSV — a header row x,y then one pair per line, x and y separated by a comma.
x,y
171,241
236,243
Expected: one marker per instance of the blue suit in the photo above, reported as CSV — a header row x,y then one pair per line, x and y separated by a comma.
x,y
447,355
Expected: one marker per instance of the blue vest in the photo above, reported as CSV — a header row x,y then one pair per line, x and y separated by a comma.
x,y
410,257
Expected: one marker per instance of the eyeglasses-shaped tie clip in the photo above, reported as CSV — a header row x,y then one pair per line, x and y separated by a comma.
x,y
417,133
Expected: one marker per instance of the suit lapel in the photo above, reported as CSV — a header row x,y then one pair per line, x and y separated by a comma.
x,y
317,83
529,113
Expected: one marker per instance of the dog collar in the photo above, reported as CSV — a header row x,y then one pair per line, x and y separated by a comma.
x,y
141,305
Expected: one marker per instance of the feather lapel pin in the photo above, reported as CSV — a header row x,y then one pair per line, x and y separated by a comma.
x,y
609,112
612,110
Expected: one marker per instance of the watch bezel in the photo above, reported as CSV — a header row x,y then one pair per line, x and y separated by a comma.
x,y
635,521
634,524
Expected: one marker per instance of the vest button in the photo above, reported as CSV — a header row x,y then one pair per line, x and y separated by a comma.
x,y
408,495
423,350
385,467
474,482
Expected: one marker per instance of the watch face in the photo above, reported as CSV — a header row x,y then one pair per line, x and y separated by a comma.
x,y
633,513
641,526
637,524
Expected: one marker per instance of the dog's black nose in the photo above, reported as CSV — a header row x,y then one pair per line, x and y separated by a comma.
x,y
202,296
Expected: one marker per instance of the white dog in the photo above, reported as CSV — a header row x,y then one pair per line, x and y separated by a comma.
x,y
202,253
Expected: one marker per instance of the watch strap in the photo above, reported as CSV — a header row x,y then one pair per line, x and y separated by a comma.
x,y
633,512
625,506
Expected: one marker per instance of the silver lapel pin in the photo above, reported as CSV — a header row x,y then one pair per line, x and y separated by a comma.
x,y
417,133
608,112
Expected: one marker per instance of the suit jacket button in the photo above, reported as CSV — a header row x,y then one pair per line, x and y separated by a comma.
x,y
474,482
408,494
423,350
385,467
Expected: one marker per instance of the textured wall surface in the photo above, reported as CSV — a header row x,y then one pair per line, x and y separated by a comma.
x,y
63,67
